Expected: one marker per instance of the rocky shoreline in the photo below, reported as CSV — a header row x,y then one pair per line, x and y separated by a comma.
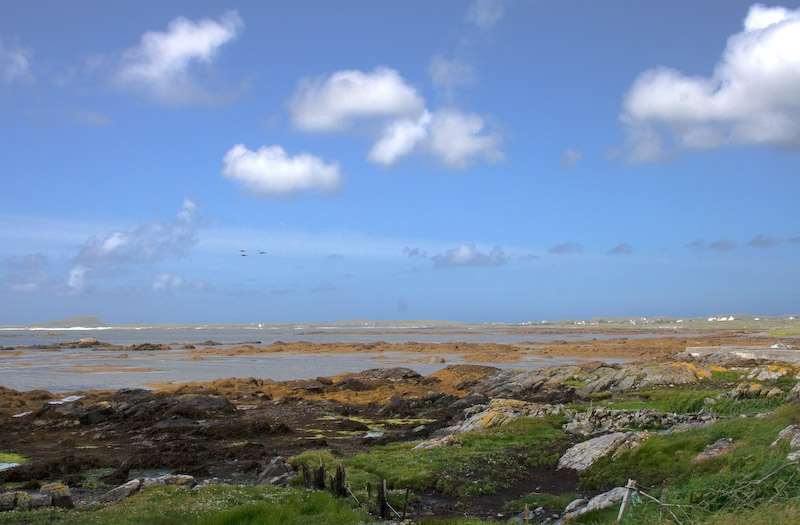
x,y
98,447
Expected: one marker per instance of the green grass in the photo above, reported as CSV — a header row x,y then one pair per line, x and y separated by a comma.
x,y
726,406
744,479
728,376
676,400
215,505
551,502
488,461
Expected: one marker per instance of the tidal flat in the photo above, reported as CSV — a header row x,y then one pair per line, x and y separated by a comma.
x,y
478,431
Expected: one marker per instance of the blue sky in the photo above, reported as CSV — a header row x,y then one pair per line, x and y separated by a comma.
x,y
489,161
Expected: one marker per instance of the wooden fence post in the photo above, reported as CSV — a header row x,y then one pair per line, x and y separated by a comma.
x,y
382,503
337,485
630,486
662,504
319,480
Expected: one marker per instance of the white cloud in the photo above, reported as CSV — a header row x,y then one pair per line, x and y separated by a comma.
x,y
447,74
400,138
385,101
459,138
271,172
335,102
14,63
77,278
485,13
752,97
467,254
150,242
570,157
163,65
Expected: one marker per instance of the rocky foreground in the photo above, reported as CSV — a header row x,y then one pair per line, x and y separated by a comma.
x,y
85,449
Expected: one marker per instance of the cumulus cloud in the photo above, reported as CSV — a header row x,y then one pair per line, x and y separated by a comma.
x,y
485,13
621,249
14,63
447,74
467,254
396,113
399,139
459,139
570,157
336,102
752,97
164,66
271,172
763,241
566,247
150,242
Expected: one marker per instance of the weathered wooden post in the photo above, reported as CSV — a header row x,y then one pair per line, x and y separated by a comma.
x,y
307,483
630,486
338,484
526,514
383,505
405,502
662,504
319,479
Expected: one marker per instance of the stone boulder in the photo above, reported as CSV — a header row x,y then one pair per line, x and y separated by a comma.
x,y
500,412
59,494
581,456
752,390
794,393
181,480
439,442
769,372
13,500
718,448
601,501
120,493
792,434
636,377
276,472
602,420
544,384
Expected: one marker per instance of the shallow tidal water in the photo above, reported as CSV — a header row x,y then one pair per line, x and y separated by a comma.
x,y
86,369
